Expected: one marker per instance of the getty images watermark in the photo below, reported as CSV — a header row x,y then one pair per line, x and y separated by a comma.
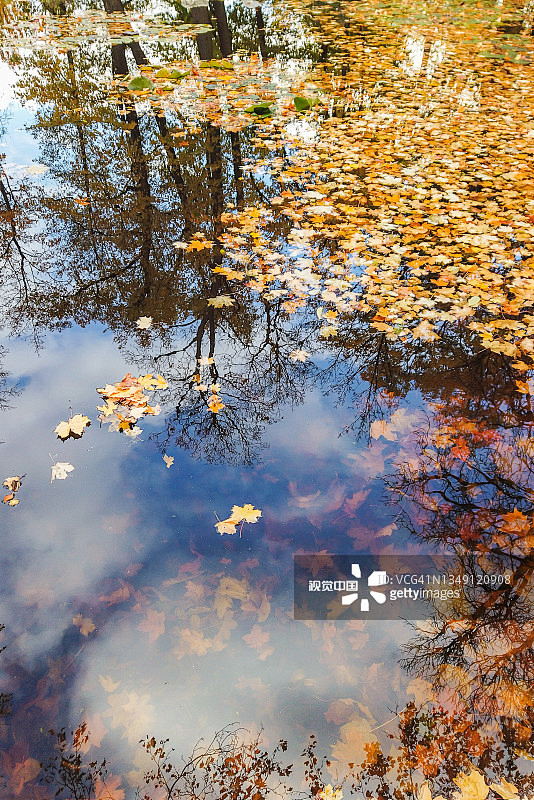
x,y
385,587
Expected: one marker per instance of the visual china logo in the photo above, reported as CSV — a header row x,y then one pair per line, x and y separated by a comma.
x,y
375,579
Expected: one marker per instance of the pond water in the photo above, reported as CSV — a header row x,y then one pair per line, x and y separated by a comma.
x,y
267,280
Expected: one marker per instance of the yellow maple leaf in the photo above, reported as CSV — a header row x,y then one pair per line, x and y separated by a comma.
x,y
215,404
246,513
505,790
169,460
472,786
197,244
382,428
226,526
108,408
221,300
523,387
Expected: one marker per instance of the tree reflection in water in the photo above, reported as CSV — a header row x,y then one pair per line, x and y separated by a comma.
x,y
100,245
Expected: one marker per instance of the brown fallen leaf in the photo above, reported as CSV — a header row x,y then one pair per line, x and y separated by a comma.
x,y
85,624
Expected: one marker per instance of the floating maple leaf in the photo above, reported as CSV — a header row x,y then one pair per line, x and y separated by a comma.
x,y
75,426
215,404
505,790
37,169
299,355
221,300
246,513
382,428
198,244
225,526
240,514
61,470
472,786
169,460
143,323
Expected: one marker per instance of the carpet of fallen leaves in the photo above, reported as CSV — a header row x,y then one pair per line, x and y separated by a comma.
x,y
417,209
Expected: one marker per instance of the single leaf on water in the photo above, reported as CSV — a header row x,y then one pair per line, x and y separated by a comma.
x,y
226,526
13,483
299,355
259,109
505,790
304,103
246,513
221,300
61,470
472,786
143,323
176,75
169,460
140,83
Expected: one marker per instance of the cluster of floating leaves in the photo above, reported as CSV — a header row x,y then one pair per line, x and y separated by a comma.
x,y
413,206
126,402
63,33
12,484
226,93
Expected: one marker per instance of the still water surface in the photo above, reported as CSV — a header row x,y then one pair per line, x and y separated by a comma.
x,y
265,231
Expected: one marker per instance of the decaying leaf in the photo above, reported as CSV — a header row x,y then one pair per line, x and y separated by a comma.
x,y
13,484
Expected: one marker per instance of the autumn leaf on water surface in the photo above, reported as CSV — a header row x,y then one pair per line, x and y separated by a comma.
x,y
60,470
85,624
215,404
74,427
424,793
240,514
169,460
143,323
299,355
329,793
505,790
13,484
37,169
126,402
472,786
221,301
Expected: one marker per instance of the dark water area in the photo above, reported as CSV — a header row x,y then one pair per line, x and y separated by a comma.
x,y
266,291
